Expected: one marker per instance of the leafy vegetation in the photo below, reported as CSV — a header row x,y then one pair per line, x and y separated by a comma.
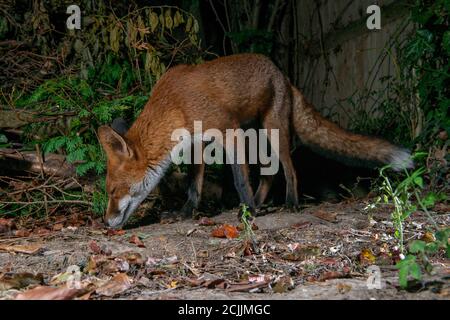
x,y
417,259
406,198
412,108
113,68
421,93
247,221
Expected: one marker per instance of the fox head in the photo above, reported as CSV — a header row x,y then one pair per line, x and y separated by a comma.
x,y
129,177
126,170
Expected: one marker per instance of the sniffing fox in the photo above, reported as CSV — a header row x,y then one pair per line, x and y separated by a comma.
x,y
224,94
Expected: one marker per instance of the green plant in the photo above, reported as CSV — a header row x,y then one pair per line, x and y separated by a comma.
x,y
417,259
415,104
426,58
90,104
400,196
100,198
247,221
404,195
132,46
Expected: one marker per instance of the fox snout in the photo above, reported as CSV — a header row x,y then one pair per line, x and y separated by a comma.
x,y
117,212
113,219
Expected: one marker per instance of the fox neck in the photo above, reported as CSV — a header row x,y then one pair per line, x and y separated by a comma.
x,y
151,138
151,178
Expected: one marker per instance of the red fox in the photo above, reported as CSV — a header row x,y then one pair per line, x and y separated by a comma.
x,y
224,94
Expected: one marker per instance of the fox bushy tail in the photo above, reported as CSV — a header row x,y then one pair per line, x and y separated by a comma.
x,y
319,133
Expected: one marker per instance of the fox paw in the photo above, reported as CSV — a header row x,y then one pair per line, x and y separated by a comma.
x,y
188,210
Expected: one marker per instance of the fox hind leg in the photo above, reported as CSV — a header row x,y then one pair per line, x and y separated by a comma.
x,y
265,183
241,176
272,121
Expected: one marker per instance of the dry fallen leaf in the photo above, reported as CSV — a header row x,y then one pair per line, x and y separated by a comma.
x,y
366,257
21,248
21,233
115,232
241,227
248,248
6,225
343,288
7,222
91,266
328,261
86,296
95,247
42,232
133,258
283,284
58,227
205,221
215,283
135,239
225,231
333,275
428,237
114,266
325,215
246,287
118,284
301,252
95,261
20,280
49,293
144,281
194,282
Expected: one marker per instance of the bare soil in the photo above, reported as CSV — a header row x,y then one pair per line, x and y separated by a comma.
x,y
319,252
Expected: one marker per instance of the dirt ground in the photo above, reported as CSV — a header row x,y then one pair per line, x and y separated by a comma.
x,y
319,252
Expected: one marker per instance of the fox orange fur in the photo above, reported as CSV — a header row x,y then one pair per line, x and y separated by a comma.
x,y
224,94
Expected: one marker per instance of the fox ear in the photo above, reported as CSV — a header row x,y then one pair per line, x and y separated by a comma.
x,y
113,143
120,126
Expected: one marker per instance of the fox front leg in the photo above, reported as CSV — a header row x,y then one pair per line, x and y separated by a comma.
x,y
196,175
243,187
